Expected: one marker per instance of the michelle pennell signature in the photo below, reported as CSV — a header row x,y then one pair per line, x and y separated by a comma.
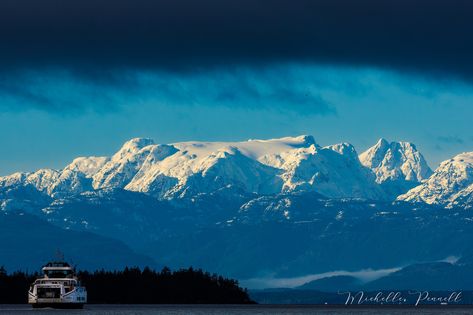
x,y
398,298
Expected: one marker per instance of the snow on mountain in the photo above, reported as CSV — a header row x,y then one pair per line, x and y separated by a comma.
x,y
464,198
198,167
206,166
15,193
14,179
70,182
89,165
259,166
51,182
24,190
398,166
74,178
333,171
193,174
254,149
450,185
345,149
124,165
396,160
41,179
254,166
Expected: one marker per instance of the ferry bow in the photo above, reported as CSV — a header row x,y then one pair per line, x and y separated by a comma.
x,y
59,288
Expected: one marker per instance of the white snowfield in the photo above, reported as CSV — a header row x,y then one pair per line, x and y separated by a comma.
x,y
259,166
450,185
287,164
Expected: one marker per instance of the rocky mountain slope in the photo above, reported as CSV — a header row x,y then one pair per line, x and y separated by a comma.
x,y
451,184
398,166
386,171
189,168
28,242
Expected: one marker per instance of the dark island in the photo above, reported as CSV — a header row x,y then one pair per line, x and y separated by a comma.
x,y
138,286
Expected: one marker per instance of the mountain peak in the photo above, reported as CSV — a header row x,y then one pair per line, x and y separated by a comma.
x,y
131,147
136,144
406,145
465,158
396,161
344,148
384,145
126,163
382,142
451,183
263,166
88,165
307,140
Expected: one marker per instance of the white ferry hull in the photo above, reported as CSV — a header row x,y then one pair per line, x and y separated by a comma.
x,y
56,296
68,301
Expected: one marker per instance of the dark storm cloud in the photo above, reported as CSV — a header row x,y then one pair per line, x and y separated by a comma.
x,y
92,35
64,93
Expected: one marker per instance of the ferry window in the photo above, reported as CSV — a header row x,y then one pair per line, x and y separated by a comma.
x,y
58,273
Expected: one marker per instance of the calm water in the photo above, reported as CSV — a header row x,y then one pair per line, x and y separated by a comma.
x,y
227,309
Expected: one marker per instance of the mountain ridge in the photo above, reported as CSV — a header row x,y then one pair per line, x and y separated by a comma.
x,y
450,185
386,171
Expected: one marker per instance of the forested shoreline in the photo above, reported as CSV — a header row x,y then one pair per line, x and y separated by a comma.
x,y
138,286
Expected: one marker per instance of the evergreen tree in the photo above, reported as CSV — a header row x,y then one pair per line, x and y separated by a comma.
x,y
135,286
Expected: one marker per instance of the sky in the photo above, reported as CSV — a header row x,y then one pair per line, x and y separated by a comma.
x,y
79,78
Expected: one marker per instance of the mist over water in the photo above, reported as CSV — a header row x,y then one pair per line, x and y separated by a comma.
x,y
364,275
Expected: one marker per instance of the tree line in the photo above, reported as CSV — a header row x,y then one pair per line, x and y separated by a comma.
x,y
138,286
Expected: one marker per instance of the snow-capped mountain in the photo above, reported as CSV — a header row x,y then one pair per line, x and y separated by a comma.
x,y
257,166
450,185
134,156
74,178
398,166
168,171
89,166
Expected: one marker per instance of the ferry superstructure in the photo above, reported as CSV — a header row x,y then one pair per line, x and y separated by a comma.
x,y
59,288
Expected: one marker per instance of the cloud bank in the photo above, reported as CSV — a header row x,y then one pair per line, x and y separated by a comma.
x,y
364,275
90,36
65,93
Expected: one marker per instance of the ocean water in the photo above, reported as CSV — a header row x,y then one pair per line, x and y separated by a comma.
x,y
233,309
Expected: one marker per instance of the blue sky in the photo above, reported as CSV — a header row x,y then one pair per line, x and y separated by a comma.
x,y
50,115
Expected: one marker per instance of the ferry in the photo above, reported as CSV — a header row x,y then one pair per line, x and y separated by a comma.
x,y
58,288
